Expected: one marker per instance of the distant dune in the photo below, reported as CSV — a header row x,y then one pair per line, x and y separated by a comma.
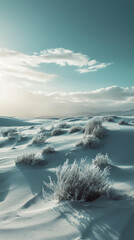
x,y
10,121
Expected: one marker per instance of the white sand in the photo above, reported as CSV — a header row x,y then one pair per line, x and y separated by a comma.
x,y
25,214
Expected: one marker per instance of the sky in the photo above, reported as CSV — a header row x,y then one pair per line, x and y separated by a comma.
x,y
61,57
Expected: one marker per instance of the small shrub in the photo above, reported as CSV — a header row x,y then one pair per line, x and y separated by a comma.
x,y
63,125
101,160
32,127
108,119
29,159
12,134
75,129
89,142
9,132
57,131
99,132
123,122
79,182
95,128
48,149
44,132
38,139
42,129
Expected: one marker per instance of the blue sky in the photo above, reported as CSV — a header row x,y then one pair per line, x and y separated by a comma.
x,y
94,35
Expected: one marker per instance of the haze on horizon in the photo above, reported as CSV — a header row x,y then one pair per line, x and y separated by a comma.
x,y
66,57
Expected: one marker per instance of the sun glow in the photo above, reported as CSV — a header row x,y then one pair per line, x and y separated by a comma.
x,y
7,92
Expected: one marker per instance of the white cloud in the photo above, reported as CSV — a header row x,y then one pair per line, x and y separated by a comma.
x,y
20,65
23,103
63,57
94,67
17,65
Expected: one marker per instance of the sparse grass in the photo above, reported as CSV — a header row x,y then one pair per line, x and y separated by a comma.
x,y
29,159
79,182
89,142
42,129
101,160
48,150
32,127
63,125
95,128
13,135
57,131
108,119
38,139
9,132
123,122
44,132
75,128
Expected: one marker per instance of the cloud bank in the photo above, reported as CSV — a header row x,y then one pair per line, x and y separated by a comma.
x,y
28,104
18,66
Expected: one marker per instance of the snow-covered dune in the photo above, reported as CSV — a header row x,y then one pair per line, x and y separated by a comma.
x,y
9,121
32,150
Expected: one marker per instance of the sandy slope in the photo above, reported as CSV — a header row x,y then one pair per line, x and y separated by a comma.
x,y
25,214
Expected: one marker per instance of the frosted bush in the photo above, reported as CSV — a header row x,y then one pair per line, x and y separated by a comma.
x,y
38,139
63,125
89,142
12,134
48,149
92,124
42,129
32,127
79,182
123,122
108,119
99,132
44,132
30,159
95,128
57,131
75,129
9,132
101,160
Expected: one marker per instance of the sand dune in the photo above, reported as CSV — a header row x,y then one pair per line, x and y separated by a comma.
x,y
27,213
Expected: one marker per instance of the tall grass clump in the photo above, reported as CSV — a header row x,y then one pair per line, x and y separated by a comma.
x,y
63,125
94,131
44,132
48,150
57,131
79,182
108,119
30,159
89,142
123,122
75,129
94,127
102,160
38,139
10,133
42,129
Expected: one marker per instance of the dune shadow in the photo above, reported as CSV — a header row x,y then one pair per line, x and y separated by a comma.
x,y
35,176
7,142
86,219
4,185
128,231
98,220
